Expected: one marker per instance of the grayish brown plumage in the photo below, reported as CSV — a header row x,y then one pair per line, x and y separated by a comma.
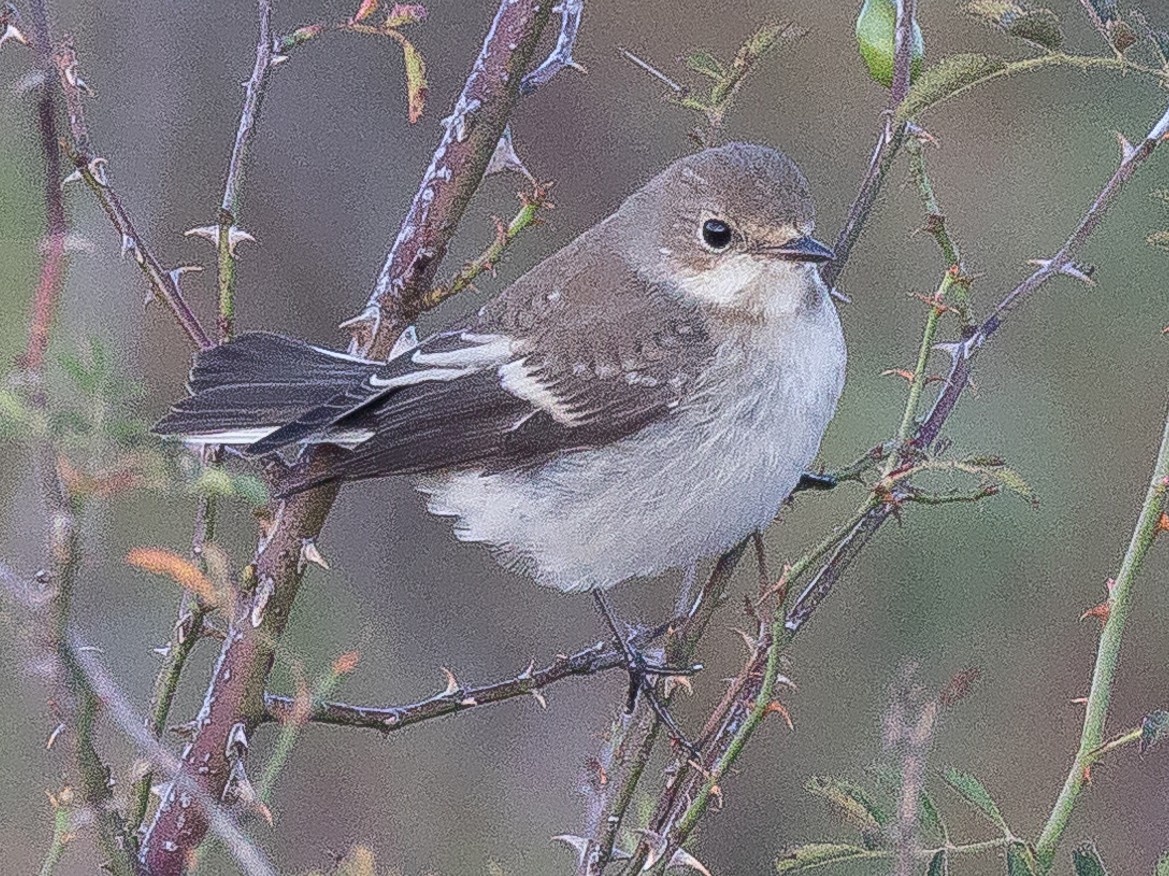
x,y
643,398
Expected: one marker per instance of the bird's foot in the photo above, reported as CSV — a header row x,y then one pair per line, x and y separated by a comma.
x,y
642,673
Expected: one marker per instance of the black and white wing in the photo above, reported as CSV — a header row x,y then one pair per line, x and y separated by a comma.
x,y
538,372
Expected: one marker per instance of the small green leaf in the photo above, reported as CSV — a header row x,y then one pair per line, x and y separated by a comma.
x,y
1162,866
1087,861
875,36
1021,860
947,78
818,854
1020,20
416,85
707,65
930,819
1154,729
974,793
855,804
217,482
939,864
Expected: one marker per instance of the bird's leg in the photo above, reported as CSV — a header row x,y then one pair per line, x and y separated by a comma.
x,y
640,670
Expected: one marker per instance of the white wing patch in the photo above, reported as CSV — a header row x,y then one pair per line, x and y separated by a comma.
x,y
482,350
242,437
522,382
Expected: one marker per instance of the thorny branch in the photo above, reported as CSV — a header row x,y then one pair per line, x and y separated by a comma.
x,y
234,706
192,612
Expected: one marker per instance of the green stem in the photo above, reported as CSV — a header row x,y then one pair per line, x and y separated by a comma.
x,y
1107,658
62,822
917,384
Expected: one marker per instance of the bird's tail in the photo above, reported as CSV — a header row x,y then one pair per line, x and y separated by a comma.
x,y
243,390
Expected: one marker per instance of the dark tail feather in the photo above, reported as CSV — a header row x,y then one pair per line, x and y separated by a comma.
x,y
257,381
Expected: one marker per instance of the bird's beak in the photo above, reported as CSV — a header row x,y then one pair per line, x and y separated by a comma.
x,y
804,249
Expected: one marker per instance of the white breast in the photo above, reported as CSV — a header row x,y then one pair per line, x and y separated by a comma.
x,y
679,490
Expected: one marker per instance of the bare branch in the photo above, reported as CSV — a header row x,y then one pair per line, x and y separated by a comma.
x,y
234,705
597,658
229,206
93,171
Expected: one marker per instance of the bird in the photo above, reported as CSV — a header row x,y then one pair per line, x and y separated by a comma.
x,y
643,399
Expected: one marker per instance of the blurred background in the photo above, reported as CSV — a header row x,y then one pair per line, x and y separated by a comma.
x,y
1072,394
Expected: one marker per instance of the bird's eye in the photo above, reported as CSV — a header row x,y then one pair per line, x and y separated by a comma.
x,y
716,234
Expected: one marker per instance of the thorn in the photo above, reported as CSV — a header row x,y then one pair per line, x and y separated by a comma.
x,y
72,178
12,32
683,858
452,684
1126,148
672,681
277,59
539,695
578,844
176,274
162,651
898,372
778,708
128,245
527,673
1162,526
210,233
57,731
504,158
839,296
265,813
748,639
310,553
1080,701
237,741
1081,272
653,71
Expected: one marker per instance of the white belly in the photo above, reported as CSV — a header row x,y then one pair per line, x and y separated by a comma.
x,y
680,490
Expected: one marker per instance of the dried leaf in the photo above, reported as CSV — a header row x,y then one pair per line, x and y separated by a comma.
x,y
1086,860
974,793
182,571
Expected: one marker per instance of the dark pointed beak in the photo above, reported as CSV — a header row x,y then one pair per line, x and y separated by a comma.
x,y
805,249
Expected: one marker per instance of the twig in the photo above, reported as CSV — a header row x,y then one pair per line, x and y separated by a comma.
x,y
62,832
1107,657
472,131
902,52
561,55
92,170
229,206
531,682
188,625
234,705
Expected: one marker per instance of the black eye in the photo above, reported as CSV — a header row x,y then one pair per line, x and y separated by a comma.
x,y
716,233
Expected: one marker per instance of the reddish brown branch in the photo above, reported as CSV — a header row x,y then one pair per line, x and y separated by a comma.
x,y
91,168
234,705
531,682
472,131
